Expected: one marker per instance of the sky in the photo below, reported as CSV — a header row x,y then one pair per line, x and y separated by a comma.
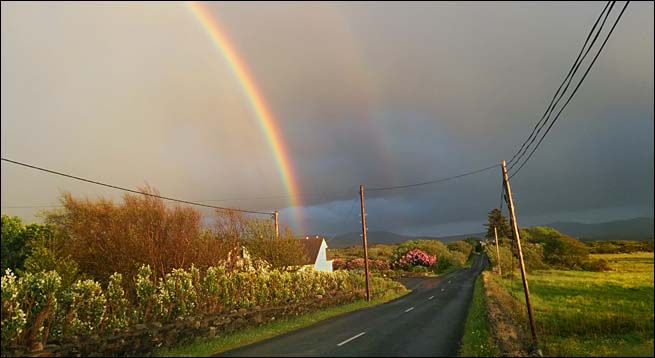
x,y
373,93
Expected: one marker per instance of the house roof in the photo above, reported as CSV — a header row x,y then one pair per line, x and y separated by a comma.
x,y
311,246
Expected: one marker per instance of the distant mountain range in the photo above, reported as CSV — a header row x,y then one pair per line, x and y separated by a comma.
x,y
630,229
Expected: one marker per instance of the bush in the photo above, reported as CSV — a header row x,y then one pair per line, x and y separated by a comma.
x,y
415,257
37,294
176,296
596,265
104,237
30,302
18,241
86,311
565,252
117,305
461,246
13,317
358,264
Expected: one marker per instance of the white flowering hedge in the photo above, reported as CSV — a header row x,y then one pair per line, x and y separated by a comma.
x,y
35,306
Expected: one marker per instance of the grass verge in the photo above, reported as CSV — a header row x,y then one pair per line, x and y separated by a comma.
x,y
477,341
203,347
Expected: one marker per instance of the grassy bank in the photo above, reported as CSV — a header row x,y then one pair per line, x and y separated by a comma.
x,y
206,347
477,341
581,313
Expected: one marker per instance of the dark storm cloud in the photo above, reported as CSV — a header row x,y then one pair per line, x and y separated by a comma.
x,y
366,93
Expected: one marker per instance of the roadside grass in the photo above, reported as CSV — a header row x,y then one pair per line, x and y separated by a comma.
x,y
477,341
581,313
203,347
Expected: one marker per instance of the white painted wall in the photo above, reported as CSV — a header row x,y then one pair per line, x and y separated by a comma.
x,y
322,263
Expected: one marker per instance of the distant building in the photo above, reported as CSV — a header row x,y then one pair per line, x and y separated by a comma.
x,y
315,251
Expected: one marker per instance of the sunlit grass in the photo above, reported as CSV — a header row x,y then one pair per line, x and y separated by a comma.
x,y
582,313
477,341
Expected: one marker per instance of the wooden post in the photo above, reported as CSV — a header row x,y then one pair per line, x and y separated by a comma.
x,y
277,226
500,270
515,233
361,200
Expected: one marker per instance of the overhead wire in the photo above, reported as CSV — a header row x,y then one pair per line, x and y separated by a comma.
x,y
131,190
574,91
567,79
395,187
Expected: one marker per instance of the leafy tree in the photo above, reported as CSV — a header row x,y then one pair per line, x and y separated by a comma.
x,y
19,241
498,220
280,253
566,252
464,247
104,237
13,240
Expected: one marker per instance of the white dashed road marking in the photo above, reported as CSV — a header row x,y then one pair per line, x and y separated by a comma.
x,y
409,309
350,339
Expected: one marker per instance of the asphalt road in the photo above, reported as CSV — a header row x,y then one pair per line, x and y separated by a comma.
x,y
427,322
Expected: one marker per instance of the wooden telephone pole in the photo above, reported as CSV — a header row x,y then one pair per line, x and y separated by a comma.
x,y
361,200
277,226
500,270
515,233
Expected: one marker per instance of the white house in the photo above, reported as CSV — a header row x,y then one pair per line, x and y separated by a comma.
x,y
315,250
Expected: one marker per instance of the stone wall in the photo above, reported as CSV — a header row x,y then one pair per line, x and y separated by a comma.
x,y
142,339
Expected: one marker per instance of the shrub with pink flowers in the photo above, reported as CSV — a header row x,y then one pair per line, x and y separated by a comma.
x,y
413,258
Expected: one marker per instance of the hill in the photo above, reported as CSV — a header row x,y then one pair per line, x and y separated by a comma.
x,y
630,229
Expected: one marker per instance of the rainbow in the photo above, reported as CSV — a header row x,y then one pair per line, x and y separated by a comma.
x,y
262,112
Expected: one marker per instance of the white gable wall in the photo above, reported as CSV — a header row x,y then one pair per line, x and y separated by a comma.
x,y
322,263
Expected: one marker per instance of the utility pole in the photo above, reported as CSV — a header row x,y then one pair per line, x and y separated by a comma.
x,y
361,200
500,270
515,233
277,226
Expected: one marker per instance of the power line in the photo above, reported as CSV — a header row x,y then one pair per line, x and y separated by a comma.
x,y
132,191
567,80
574,91
281,196
565,88
431,181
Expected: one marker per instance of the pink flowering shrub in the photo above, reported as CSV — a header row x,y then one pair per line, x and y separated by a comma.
x,y
415,257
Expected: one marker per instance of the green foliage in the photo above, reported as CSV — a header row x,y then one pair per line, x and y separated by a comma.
x,y
87,308
498,220
14,247
34,303
37,294
619,246
17,241
539,234
565,252
465,247
13,317
44,258
507,261
116,314
176,296
599,265
145,293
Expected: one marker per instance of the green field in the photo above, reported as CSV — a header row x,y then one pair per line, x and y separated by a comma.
x,y
581,313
